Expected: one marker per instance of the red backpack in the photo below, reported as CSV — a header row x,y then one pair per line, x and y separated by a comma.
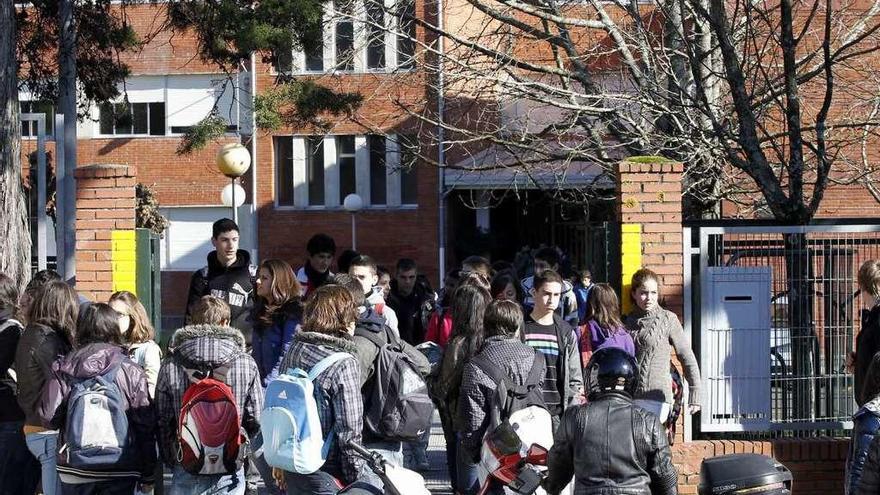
x,y
209,427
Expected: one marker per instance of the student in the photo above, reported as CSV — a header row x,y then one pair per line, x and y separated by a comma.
x,y
866,424
411,301
138,334
656,332
604,328
609,445
39,279
583,285
100,354
477,264
229,275
47,337
277,316
504,348
364,270
19,471
440,324
316,271
328,324
468,308
384,280
549,334
547,258
206,344
506,286
868,340
371,332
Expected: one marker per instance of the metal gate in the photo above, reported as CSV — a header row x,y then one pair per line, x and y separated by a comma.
x,y
791,359
591,244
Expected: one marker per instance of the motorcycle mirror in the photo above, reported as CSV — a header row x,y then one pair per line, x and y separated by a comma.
x,y
537,454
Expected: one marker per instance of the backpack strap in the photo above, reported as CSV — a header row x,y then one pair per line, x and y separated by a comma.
x,y
374,337
327,362
492,370
535,377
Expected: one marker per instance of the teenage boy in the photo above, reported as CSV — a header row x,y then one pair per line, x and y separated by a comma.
x,y
207,343
363,269
316,272
229,275
583,285
549,334
412,301
547,258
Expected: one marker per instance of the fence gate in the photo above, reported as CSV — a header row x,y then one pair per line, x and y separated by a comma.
x,y
774,311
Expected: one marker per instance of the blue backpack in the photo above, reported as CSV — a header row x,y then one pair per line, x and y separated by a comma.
x,y
97,437
292,436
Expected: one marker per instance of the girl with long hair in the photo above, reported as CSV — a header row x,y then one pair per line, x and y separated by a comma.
x,y
604,327
277,315
138,334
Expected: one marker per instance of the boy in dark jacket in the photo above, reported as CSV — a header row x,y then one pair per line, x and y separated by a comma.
x,y
229,275
316,272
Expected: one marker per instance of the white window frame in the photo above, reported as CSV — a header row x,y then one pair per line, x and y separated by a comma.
x,y
332,201
114,135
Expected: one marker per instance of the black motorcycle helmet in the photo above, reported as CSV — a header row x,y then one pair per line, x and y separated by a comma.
x,y
612,370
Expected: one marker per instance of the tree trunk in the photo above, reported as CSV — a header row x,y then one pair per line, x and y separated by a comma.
x,y
804,345
16,251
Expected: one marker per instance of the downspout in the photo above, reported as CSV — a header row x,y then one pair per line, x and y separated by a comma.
x,y
441,151
255,222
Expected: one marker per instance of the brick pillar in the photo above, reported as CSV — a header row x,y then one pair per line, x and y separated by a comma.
x,y
650,215
105,222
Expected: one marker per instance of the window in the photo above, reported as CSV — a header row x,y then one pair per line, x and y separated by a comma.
x,y
29,128
147,119
378,186
406,45
375,34
315,170
344,37
408,171
315,59
368,165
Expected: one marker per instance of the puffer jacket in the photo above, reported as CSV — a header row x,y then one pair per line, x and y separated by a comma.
x,y
39,346
269,344
618,449
342,411
208,346
866,424
94,360
234,284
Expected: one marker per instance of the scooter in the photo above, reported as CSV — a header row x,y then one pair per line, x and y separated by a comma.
x,y
396,479
503,463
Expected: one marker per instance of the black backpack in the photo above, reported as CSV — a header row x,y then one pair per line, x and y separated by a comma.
x,y
397,403
510,397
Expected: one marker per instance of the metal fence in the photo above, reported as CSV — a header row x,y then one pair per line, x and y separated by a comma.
x,y
775,311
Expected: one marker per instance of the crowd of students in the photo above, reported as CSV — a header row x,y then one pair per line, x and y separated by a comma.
x,y
249,325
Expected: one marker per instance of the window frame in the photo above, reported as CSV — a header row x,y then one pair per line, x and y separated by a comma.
x,y
148,104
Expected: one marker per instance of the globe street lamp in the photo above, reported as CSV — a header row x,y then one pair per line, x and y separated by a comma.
x,y
353,204
233,160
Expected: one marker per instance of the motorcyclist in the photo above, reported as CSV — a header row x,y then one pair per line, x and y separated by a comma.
x,y
609,445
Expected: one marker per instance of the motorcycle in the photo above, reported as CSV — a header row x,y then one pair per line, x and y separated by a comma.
x,y
504,463
395,479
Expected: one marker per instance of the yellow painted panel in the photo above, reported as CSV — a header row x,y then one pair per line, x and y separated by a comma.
x,y
124,260
630,260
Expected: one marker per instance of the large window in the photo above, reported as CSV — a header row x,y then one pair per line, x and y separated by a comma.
x,y
375,35
406,45
146,119
320,171
344,36
29,128
408,171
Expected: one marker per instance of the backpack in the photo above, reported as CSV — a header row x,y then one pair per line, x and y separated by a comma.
x,y
521,406
96,435
290,423
398,406
209,433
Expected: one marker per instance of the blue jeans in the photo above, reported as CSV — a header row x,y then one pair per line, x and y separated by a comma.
x,y
317,483
44,446
184,483
19,470
115,487
466,471
263,468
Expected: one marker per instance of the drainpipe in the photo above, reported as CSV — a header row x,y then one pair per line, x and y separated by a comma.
x,y
441,152
255,222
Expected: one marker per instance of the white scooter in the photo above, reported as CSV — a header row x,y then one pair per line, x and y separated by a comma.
x,y
396,479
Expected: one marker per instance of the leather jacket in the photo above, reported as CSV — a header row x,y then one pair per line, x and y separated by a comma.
x,y
39,346
612,448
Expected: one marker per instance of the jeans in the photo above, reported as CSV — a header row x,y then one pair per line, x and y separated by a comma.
x,y
43,446
184,483
451,448
263,469
114,487
317,483
466,471
19,470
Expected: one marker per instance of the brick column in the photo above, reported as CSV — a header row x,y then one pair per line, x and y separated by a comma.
x,y
650,215
105,222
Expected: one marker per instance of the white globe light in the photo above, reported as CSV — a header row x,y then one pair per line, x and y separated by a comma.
x,y
233,160
226,195
353,203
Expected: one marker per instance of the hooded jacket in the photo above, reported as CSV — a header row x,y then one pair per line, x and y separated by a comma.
x,y
269,344
618,449
866,424
94,360
209,346
376,300
234,284
40,345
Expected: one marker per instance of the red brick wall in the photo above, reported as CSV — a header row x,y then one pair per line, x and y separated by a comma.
x,y
105,201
